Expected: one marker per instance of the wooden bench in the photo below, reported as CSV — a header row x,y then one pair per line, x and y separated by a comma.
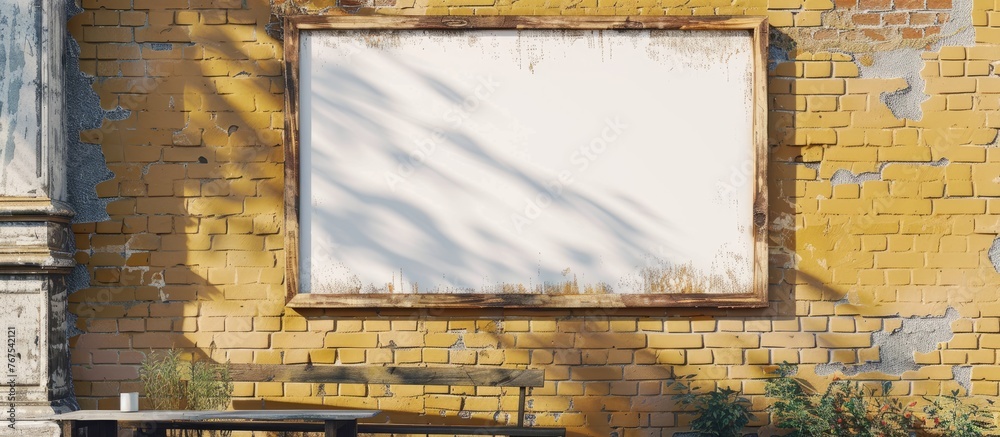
x,y
442,376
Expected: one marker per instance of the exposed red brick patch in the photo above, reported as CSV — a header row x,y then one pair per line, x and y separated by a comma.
x,y
867,19
896,18
875,5
922,18
910,4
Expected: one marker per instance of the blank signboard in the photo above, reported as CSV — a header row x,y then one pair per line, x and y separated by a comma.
x,y
525,161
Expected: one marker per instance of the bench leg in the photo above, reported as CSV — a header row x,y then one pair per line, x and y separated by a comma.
x,y
151,429
336,428
93,428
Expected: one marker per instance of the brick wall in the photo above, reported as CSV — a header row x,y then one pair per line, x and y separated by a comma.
x,y
880,231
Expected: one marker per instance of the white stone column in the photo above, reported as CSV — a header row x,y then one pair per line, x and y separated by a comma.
x,y
35,238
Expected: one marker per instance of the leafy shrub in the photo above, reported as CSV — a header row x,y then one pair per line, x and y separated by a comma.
x,y
951,417
846,408
721,412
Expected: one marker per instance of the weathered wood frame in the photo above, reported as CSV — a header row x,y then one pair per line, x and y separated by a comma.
x,y
756,26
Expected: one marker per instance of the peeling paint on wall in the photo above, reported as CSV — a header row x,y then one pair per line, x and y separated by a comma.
x,y
907,63
897,346
85,162
843,176
86,166
994,254
963,376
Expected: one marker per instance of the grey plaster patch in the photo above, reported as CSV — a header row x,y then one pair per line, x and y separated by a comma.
x,y
117,114
963,376
896,348
161,46
907,63
85,162
843,176
846,177
958,30
994,254
776,53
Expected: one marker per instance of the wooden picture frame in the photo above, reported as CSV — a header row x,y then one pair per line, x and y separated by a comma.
x,y
755,296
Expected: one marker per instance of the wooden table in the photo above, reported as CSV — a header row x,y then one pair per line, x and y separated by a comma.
x,y
104,423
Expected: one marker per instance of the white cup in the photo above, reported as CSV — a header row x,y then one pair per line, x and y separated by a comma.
x,y
130,402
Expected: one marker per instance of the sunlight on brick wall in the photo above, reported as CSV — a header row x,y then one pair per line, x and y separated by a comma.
x,y
880,225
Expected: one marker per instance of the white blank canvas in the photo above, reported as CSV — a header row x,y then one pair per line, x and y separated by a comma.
x,y
526,161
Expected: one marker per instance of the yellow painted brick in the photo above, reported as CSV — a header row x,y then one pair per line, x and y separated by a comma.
x,y
727,356
292,323
651,325
845,69
897,277
758,356
842,324
543,326
963,341
780,18
820,86
818,70
846,356
269,389
950,85
699,356
351,340
674,341
730,325
433,356
834,341
623,325
732,340
788,339
785,356
671,357
808,19
988,325
351,356
814,356
811,324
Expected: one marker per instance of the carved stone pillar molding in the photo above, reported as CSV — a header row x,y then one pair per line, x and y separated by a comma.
x,y
36,246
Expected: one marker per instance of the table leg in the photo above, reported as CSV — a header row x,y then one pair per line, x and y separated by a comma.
x,y
340,428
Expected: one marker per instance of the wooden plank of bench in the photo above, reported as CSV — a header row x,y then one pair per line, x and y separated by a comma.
x,y
457,376
369,428
514,431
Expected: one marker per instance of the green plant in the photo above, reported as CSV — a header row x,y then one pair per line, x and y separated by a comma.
x,y
173,384
951,417
845,408
721,412
162,380
210,386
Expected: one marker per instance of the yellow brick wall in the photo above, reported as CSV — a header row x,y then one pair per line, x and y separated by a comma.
x,y
192,254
